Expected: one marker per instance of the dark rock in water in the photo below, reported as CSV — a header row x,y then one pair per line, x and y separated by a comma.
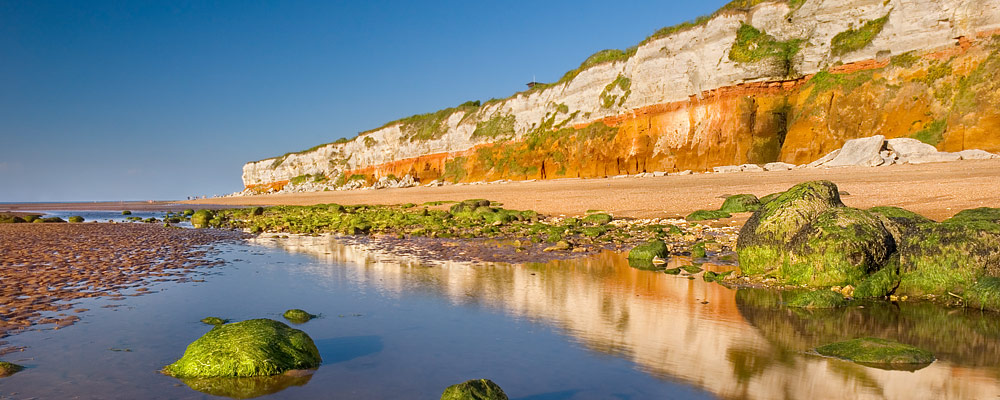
x,y
710,276
298,316
876,351
705,215
763,239
257,211
647,251
839,246
8,369
692,269
740,203
257,347
248,387
476,389
213,321
817,299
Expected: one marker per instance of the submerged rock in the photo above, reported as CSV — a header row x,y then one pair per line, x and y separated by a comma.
x,y
213,321
476,389
876,351
8,369
298,316
647,251
257,347
740,203
248,387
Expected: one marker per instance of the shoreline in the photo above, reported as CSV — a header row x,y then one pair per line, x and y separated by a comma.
x,y
936,191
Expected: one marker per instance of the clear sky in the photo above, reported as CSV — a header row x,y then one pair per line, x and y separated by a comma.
x,y
139,100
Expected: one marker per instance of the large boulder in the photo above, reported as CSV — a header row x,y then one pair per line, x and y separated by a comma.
x,y
740,203
649,250
865,152
905,148
976,155
763,240
840,246
202,218
476,389
948,257
256,347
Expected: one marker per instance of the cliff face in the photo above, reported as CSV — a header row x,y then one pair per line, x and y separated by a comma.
x,y
775,82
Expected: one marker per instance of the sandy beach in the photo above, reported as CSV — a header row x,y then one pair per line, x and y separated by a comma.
x,y
935,190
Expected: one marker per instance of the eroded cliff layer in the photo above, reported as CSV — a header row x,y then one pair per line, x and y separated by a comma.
x,y
754,83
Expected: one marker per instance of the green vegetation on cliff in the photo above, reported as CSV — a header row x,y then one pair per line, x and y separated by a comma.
x,y
753,45
856,39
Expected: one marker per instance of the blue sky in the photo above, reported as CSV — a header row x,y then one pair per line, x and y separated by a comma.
x,y
163,100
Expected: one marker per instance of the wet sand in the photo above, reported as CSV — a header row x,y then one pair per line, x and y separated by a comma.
x,y
45,267
935,190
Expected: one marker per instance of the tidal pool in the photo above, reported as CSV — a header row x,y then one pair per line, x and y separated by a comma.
x,y
394,327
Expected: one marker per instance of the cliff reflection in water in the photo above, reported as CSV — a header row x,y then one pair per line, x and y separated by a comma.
x,y
740,344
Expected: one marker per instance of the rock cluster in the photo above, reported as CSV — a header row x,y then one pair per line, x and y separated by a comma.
x,y
807,237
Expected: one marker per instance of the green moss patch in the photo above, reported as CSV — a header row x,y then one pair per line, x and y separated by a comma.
x,y
597,219
876,351
840,246
214,321
202,218
856,39
476,389
705,215
257,347
753,45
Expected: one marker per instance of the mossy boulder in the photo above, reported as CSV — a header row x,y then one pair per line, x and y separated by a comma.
x,y
468,207
840,246
126,212
876,351
698,250
8,369
647,251
705,215
881,283
899,222
214,321
256,347
10,219
202,218
740,203
816,299
597,219
76,219
298,316
768,198
188,212
982,214
257,211
948,257
51,220
764,239
476,389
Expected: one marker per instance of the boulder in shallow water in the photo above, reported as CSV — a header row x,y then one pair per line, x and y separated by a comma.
x,y
476,389
298,316
647,251
876,351
8,369
202,218
763,240
256,347
839,246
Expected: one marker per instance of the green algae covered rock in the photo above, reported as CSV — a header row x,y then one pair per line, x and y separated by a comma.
x,y
705,215
257,211
982,214
899,222
476,389
256,347
764,238
202,218
76,219
698,250
213,321
948,257
8,369
840,246
817,299
740,203
597,219
876,351
647,251
298,316
881,283
126,212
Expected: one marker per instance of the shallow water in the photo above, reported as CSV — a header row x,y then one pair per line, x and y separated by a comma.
x,y
593,328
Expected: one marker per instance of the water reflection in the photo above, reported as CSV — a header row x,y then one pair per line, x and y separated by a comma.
x,y
736,344
248,388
